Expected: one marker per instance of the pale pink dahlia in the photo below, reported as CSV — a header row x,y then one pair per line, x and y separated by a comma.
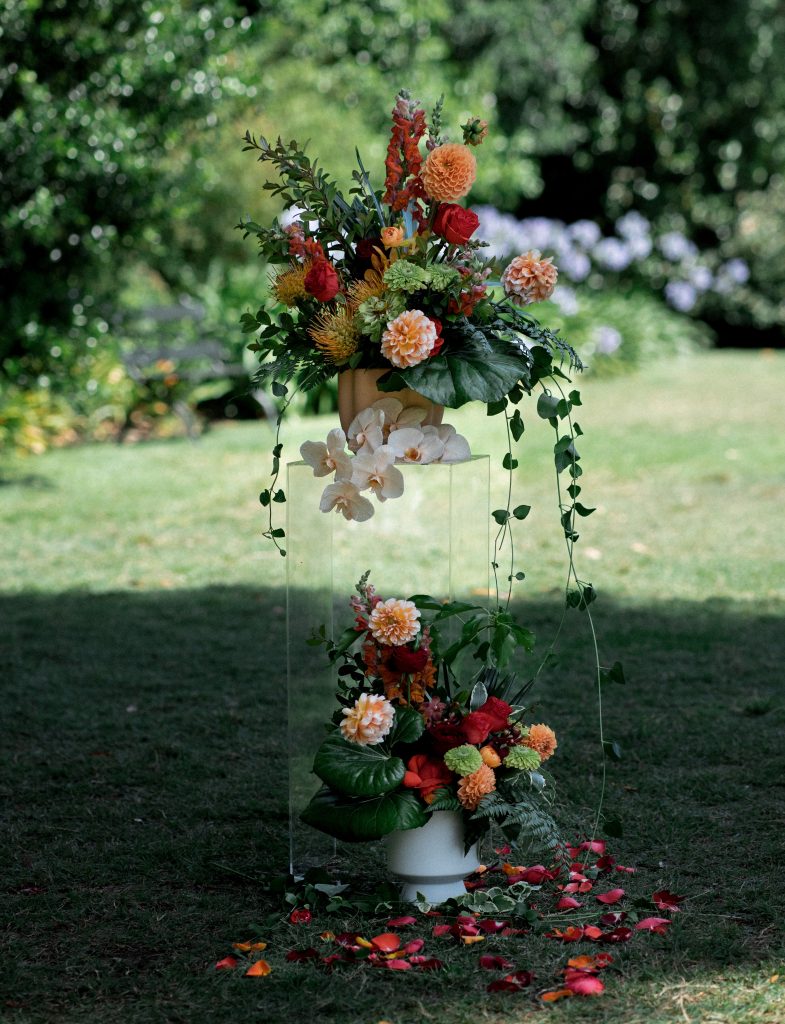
x,y
394,622
409,338
369,721
529,278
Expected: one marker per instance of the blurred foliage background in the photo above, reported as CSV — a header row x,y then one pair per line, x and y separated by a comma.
x,y
643,140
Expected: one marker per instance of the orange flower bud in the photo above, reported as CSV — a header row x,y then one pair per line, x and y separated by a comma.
x,y
490,757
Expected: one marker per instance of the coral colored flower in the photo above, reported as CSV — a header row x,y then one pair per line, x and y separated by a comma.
x,y
330,457
449,172
393,237
395,622
322,281
368,721
529,279
455,223
344,497
427,775
474,787
409,338
542,739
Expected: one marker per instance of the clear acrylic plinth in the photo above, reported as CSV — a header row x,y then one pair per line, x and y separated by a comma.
x,y
433,540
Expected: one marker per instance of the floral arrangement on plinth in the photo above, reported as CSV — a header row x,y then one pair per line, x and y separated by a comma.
x,y
391,280
409,738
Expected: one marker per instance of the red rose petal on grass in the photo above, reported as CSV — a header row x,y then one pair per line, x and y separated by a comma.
x,y
621,867
612,896
595,846
568,903
571,934
617,935
583,984
427,963
613,917
300,916
556,994
401,922
387,942
440,930
664,900
347,939
653,924
495,963
393,965
508,933
536,875
296,956
260,969
334,958
414,946
590,961
491,927
592,932
604,863
504,850
226,964
512,982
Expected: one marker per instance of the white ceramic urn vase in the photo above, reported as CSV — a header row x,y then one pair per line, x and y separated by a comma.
x,y
431,860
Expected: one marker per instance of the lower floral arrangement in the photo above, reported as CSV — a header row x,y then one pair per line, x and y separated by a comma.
x,y
578,905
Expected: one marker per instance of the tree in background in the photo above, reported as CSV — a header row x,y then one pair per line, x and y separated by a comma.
x,y
96,101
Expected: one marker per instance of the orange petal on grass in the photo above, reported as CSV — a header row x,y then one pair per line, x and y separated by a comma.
x,y
363,942
556,994
387,942
226,964
247,947
468,940
260,969
582,962
327,936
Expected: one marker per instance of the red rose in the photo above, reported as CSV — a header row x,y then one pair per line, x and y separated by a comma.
x,y
476,726
498,710
445,736
322,282
404,659
437,346
455,223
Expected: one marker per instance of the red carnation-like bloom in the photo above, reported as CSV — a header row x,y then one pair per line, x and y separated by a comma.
x,y
497,710
321,281
404,659
427,775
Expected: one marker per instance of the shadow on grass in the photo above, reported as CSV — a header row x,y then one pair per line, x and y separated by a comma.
x,y
145,772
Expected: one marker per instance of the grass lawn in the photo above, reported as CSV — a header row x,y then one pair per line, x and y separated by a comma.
x,y
143,773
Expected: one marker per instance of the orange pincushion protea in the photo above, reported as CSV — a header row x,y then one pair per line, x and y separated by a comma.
x,y
542,739
449,172
474,787
529,278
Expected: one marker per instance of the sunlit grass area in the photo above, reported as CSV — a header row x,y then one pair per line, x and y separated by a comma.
x,y
143,678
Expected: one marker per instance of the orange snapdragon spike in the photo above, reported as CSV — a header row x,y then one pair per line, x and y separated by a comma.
x,y
260,969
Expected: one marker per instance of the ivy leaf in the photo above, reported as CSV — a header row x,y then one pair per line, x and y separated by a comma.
x,y
278,389
547,406
614,674
521,511
517,426
582,510
248,323
357,770
501,515
508,462
264,498
279,496
494,408
359,821
612,750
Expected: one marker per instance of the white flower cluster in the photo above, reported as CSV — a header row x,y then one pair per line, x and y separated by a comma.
x,y
379,437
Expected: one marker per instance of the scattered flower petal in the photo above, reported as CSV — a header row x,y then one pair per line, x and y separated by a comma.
x,y
247,947
653,924
260,969
583,984
556,994
665,900
401,922
495,963
296,956
226,964
612,896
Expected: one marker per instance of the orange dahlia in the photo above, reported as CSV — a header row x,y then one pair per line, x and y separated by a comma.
x,y
368,721
542,739
475,786
409,338
449,172
529,278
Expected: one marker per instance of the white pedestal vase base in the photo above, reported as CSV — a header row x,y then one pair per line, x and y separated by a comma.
x,y
431,860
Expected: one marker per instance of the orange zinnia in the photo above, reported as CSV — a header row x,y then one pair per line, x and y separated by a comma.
x,y
542,739
449,172
475,786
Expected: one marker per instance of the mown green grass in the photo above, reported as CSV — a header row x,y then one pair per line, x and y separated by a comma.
x,y
143,691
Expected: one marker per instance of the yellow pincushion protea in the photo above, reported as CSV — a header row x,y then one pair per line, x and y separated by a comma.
x,y
289,286
371,286
335,334
369,721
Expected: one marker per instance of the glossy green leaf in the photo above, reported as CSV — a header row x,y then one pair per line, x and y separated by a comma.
x,y
357,770
361,820
408,727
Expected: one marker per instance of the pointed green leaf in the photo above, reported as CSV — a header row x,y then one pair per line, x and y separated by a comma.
x,y
362,820
357,770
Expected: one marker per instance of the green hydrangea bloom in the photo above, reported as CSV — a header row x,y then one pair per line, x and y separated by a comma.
x,y
463,760
442,277
404,276
375,313
524,758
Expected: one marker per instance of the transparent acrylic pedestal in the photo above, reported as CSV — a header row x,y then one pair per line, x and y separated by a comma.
x,y
433,540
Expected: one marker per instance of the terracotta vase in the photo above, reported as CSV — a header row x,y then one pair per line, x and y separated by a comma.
x,y
357,390
431,860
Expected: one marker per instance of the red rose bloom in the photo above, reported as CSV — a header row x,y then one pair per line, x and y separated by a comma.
x,y
455,223
445,736
476,726
498,710
321,281
404,659
437,347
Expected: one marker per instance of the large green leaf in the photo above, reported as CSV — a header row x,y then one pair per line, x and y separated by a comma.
x,y
408,726
476,372
360,820
357,770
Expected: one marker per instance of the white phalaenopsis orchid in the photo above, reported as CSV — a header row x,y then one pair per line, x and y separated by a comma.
x,y
344,497
330,457
397,415
456,447
366,429
411,444
376,470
